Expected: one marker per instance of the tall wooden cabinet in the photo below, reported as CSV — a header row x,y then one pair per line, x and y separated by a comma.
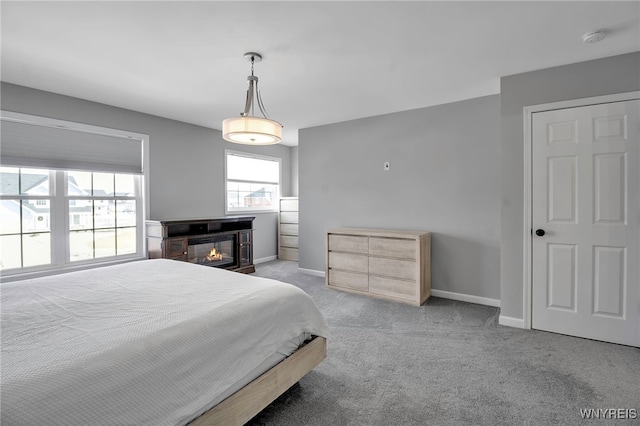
x,y
288,229
391,264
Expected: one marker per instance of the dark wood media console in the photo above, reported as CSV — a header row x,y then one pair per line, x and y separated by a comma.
x,y
222,243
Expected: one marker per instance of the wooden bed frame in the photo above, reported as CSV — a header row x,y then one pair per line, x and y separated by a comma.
x,y
243,405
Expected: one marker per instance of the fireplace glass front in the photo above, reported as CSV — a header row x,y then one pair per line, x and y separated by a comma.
x,y
217,251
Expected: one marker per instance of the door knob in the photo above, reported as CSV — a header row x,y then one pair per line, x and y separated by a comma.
x,y
540,232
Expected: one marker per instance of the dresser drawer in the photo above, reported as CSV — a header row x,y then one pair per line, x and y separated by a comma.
x,y
348,262
288,253
348,280
391,287
392,268
391,247
288,229
288,217
349,243
289,241
288,205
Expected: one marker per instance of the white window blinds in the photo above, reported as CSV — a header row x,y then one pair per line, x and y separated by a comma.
x,y
53,144
251,168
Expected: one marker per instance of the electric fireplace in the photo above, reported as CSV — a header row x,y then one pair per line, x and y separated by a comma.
x,y
225,243
218,251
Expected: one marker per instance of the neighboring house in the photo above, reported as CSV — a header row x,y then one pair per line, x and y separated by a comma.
x,y
36,216
80,213
35,213
259,198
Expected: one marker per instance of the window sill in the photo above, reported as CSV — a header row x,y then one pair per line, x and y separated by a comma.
x,y
19,275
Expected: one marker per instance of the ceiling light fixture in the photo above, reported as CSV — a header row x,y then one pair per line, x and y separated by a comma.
x,y
249,129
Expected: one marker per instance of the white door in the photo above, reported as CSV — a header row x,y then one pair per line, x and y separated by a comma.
x,y
586,222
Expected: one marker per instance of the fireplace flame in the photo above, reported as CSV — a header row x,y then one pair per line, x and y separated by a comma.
x,y
214,255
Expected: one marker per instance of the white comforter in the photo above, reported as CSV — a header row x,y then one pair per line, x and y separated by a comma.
x,y
150,342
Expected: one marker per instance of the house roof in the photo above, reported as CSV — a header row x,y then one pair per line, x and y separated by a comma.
x,y
260,193
10,183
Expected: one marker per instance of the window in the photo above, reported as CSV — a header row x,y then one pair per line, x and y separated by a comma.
x,y
101,209
71,195
252,182
25,217
102,214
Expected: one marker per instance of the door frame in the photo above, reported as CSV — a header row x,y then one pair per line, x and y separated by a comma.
x,y
527,113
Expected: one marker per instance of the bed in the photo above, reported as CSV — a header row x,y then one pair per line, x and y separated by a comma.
x,y
156,342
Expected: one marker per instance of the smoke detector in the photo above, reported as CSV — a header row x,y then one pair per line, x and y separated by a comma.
x,y
594,36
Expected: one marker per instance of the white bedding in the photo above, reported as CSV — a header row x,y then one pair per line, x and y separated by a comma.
x,y
151,342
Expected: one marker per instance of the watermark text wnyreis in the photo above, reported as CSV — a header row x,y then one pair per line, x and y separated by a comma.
x,y
609,413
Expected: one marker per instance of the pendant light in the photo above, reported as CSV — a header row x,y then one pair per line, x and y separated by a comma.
x,y
249,129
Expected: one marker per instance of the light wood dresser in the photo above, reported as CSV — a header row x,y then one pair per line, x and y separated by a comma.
x,y
288,229
391,264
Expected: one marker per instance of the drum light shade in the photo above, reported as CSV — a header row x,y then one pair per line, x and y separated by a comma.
x,y
252,130
249,129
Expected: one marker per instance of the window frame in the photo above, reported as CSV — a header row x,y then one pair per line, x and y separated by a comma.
x,y
59,207
278,185
60,229
20,198
140,225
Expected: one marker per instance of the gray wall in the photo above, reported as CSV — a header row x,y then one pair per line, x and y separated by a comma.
x,y
444,178
616,74
294,172
186,177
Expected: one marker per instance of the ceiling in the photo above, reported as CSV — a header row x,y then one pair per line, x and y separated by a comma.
x,y
324,62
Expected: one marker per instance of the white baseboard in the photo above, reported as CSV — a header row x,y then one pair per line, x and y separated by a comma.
x,y
311,272
465,298
264,259
437,293
511,322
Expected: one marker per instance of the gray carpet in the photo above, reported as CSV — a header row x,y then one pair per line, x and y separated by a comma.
x,y
446,363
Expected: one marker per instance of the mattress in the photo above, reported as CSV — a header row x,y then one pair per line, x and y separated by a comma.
x,y
154,342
